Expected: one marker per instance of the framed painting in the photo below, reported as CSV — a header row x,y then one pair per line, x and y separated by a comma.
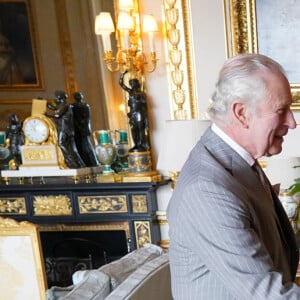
x,y
22,269
269,27
62,62
19,64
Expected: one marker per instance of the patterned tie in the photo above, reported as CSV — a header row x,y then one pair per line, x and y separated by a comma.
x,y
263,178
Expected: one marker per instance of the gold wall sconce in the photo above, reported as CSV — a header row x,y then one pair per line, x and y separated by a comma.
x,y
130,55
132,62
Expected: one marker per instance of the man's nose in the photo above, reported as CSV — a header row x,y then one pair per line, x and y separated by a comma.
x,y
290,120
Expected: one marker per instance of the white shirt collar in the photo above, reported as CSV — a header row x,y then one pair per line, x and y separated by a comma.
x,y
235,146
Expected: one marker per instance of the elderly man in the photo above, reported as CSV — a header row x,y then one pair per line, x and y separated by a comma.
x,y
230,236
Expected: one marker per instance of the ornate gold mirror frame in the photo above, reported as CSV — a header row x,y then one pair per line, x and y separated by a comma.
x,y
180,58
242,34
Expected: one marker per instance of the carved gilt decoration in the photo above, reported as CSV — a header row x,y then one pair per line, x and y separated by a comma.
x,y
39,154
5,222
180,56
52,205
102,204
140,162
142,233
241,18
139,203
13,205
103,226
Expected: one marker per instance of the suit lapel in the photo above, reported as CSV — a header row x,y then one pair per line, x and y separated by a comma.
x,y
287,235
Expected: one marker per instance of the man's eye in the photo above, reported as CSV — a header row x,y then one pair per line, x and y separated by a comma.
x,y
281,111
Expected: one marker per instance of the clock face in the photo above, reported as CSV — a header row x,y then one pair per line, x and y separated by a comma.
x,y
36,130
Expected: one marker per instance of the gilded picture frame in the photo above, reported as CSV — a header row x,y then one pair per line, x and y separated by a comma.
x,y
251,29
53,58
22,269
19,65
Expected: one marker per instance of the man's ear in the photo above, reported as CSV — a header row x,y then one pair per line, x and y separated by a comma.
x,y
240,112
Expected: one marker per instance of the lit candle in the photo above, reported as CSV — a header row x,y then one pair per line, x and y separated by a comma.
x,y
150,26
104,26
125,23
126,39
106,41
151,41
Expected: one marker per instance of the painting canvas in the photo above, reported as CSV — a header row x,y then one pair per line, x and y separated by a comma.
x,y
278,26
18,52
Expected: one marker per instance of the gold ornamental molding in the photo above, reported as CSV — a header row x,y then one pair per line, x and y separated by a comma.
x,y
189,54
66,46
242,32
39,154
102,226
162,222
179,45
52,205
13,206
8,222
240,16
102,204
142,233
139,203
164,244
161,217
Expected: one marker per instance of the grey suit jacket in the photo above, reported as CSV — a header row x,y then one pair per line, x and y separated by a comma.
x,y
229,240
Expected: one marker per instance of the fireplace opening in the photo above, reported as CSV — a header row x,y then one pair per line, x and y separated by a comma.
x,y
68,251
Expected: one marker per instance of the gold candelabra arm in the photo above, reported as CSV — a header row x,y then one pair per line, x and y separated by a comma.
x,y
135,61
131,60
153,60
142,64
110,61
